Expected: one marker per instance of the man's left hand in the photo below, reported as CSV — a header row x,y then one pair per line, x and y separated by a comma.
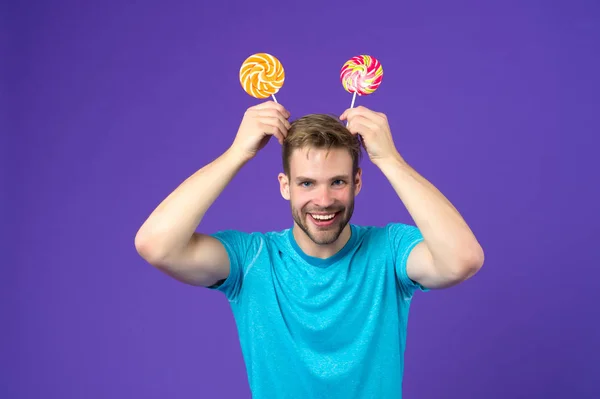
x,y
374,129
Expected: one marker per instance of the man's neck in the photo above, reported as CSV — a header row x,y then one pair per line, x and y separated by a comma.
x,y
320,251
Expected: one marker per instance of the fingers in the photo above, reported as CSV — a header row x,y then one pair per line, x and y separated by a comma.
x,y
362,111
273,127
277,134
272,105
350,112
276,123
268,113
272,119
361,120
271,112
360,124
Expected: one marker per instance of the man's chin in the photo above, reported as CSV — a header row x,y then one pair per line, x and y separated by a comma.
x,y
324,235
322,232
323,241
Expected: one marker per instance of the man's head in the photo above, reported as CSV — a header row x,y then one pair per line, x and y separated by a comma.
x,y
321,176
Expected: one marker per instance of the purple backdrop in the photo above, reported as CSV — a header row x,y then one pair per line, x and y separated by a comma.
x,y
113,104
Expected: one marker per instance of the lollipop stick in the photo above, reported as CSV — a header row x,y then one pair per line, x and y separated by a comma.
x,y
352,105
274,99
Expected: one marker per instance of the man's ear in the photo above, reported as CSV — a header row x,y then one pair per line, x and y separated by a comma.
x,y
284,186
357,181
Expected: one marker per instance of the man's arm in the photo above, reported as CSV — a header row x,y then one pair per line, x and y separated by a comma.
x,y
449,252
168,238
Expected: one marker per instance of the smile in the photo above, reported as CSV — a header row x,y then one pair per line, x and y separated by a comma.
x,y
323,217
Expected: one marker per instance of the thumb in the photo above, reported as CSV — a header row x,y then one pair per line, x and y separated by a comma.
x,y
344,115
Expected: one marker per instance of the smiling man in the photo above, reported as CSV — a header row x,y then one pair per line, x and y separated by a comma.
x,y
321,308
321,177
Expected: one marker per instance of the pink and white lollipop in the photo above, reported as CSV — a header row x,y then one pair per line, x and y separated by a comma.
x,y
361,75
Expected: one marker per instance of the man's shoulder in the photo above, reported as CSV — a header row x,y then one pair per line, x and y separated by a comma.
x,y
252,235
383,230
391,235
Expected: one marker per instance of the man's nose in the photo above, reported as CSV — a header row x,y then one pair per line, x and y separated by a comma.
x,y
325,197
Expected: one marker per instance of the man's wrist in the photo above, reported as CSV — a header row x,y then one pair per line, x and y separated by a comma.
x,y
391,162
238,156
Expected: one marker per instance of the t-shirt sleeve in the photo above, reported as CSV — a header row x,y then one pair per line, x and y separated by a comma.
x,y
242,249
402,239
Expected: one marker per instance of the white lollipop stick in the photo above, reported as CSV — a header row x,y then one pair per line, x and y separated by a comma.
x,y
352,104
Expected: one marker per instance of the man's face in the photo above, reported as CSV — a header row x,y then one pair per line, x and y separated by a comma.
x,y
321,191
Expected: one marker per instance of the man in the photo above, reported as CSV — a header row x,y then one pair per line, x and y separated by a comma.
x,y
321,308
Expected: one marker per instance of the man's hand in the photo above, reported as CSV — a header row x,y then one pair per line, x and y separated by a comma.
x,y
259,124
375,131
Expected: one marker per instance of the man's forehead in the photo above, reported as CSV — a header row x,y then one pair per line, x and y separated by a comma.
x,y
320,164
318,154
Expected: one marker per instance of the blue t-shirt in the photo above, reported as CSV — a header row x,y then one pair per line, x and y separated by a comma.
x,y
322,328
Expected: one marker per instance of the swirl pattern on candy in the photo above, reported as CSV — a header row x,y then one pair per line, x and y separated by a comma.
x,y
262,75
361,75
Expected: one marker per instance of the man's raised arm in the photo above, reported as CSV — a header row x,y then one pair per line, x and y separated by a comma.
x,y
168,239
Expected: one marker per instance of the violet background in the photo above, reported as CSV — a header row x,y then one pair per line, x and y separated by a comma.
x,y
108,106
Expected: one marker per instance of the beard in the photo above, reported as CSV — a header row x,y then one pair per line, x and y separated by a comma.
x,y
324,235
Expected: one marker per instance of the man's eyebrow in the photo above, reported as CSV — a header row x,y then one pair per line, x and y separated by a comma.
x,y
338,177
302,178
341,177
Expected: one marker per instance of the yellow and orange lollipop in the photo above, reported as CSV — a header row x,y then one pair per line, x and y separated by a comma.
x,y
262,75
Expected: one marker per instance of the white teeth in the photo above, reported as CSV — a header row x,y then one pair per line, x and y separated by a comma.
x,y
323,217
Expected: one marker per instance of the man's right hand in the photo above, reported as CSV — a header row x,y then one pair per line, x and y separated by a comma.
x,y
259,124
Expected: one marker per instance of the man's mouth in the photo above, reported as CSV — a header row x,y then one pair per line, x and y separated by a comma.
x,y
323,219
323,216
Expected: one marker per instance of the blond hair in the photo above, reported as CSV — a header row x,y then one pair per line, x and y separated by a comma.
x,y
320,131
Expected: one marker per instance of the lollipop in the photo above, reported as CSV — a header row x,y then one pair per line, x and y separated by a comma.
x,y
361,75
262,75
